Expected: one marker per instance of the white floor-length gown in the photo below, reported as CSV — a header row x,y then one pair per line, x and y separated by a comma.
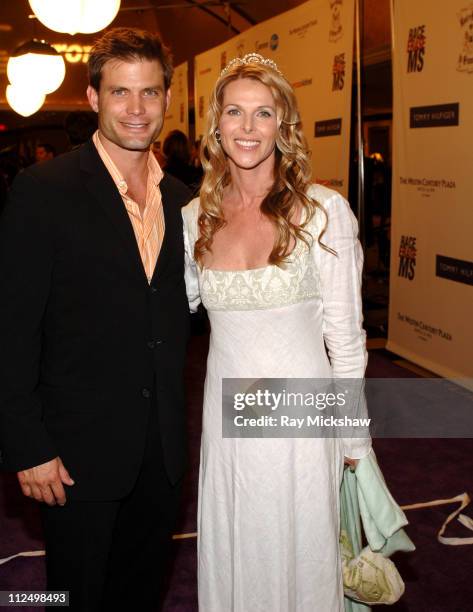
x,y
268,513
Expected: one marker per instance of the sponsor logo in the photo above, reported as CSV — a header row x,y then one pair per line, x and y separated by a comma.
x,y
223,60
333,182
416,49
425,186
272,43
439,115
336,28
407,257
73,53
465,59
425,331
4,57
302,83
180,84
329,127
201,107
454,269
301,30
241,48
338,72
259,46
205,70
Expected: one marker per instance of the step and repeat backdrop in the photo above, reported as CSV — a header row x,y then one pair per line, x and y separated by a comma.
x,y
313,46
177,115
431,280
431,289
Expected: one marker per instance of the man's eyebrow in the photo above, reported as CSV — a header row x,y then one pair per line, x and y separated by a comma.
x,y
160,87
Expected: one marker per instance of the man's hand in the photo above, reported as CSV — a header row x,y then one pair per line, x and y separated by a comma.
x,y
45,482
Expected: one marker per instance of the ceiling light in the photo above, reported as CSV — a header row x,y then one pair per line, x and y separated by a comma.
x,y
37,65
72,16
24,100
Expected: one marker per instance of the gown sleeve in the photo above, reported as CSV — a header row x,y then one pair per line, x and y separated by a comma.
x,y
189,215
340,283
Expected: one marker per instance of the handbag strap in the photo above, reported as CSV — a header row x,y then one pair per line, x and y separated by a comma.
x,y
28,553
464,500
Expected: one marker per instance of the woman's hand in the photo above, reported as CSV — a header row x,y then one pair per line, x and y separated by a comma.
x,y
351,462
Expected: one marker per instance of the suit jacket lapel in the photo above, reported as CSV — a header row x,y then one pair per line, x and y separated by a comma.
x,y
167,204
103,190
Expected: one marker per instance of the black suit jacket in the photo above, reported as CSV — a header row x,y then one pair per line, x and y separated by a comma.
x,y
87,346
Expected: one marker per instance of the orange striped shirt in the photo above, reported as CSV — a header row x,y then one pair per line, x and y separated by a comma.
x,y
149,228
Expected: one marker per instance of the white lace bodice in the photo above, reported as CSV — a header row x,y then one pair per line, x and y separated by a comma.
x,y
331,281
266,287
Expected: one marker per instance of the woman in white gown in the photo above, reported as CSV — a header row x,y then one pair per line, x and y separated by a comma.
x,y
275,291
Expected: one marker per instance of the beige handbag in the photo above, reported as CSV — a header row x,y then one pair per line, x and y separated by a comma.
x,y
370,577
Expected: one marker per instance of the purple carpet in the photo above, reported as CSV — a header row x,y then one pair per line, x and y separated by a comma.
x,y
438,578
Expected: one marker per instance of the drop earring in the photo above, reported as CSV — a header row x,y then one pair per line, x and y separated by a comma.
x,y
217,135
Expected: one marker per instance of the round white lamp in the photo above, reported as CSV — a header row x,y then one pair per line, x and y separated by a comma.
x,y
24,100
72,16
37,65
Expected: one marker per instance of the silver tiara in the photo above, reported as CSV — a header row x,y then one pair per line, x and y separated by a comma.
x,y
251,58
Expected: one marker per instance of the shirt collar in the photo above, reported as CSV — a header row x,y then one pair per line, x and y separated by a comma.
x,y
155,172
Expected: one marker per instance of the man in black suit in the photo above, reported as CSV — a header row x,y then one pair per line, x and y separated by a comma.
x,y
93,332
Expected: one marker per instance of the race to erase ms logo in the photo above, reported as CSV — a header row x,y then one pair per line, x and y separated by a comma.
x,y
465,59
407,257
338,72
416,49
336,27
